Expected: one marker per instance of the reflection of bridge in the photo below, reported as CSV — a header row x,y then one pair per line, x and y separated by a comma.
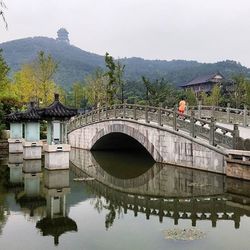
x,y
168,136
213,208
167,181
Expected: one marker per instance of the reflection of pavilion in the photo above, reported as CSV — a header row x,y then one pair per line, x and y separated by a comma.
x,y
56,188
31,197
15,165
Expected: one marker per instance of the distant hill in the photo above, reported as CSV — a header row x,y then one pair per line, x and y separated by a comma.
x,y
75,63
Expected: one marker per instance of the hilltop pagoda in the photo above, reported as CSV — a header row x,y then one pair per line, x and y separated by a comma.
x,y
63,35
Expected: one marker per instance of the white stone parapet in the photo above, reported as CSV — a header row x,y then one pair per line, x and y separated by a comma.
x,y
32,150
56,156
15,145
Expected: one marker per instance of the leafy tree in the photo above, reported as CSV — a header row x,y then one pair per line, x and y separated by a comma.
x,y
215,96
44,68
190,97
79,95
4,69
237,94
2,124
119,72
95,88
161,92
34,81
112,86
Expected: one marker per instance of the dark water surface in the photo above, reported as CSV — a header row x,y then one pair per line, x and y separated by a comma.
x,y
128,203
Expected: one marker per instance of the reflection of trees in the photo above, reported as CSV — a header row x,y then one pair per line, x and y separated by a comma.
x,y
4,211
114,209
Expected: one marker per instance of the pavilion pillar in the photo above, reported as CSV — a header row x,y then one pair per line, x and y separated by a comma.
x,y
16,137
32,146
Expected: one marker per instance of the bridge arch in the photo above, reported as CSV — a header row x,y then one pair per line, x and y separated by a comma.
x,y
128,135
162,143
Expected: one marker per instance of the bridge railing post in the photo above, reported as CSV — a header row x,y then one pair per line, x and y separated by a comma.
x,y
98,114
146,114
212,132
159,115
106,111
236,135
199,109
86,119
175,118
192,124
134,112
213,111
245,116
228,112
115,111
124,109
92,114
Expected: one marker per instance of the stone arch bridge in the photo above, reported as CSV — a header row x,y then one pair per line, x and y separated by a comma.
x,y
168,136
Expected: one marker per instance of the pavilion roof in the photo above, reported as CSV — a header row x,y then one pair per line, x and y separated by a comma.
x,y
58,110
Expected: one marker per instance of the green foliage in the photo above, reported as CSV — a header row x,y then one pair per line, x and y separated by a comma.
x,y
4,69
190,97
238,93
2,124
161,92
214,98
112,86
96,86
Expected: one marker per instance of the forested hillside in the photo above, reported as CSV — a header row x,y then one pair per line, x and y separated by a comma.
x,y
75,63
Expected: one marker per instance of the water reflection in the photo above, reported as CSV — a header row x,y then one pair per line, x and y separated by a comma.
x,y
124,187
41,194
162,190
56,188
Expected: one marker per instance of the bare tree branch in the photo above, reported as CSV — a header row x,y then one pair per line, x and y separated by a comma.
x,y
2,7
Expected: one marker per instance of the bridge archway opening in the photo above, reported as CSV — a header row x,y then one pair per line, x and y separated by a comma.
x,y
122,156
118,142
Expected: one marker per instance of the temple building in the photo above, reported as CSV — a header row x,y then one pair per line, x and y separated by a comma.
x,y
63,35
204,83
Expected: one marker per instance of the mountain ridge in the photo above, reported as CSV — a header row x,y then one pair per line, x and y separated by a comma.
x,y
75,63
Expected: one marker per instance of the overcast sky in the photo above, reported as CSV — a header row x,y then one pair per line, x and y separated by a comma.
x,y
203,30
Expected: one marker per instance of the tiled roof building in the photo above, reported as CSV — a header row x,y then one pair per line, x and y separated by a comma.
x,y
204,83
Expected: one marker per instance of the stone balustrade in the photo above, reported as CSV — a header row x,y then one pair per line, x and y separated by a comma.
x,y
188,123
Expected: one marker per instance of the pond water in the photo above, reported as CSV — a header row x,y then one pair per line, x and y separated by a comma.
x,y
120,200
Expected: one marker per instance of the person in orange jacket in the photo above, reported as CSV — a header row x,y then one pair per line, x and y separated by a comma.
x,y
182,106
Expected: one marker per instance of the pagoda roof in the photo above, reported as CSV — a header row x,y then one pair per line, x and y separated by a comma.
x,y
13,117
58,110
32,114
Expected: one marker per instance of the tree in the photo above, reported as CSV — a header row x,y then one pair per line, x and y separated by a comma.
x,y
237,95
4,69
44,68
215,96
78,92
119,71
2,125
112,86
190,97
96,86
161,92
